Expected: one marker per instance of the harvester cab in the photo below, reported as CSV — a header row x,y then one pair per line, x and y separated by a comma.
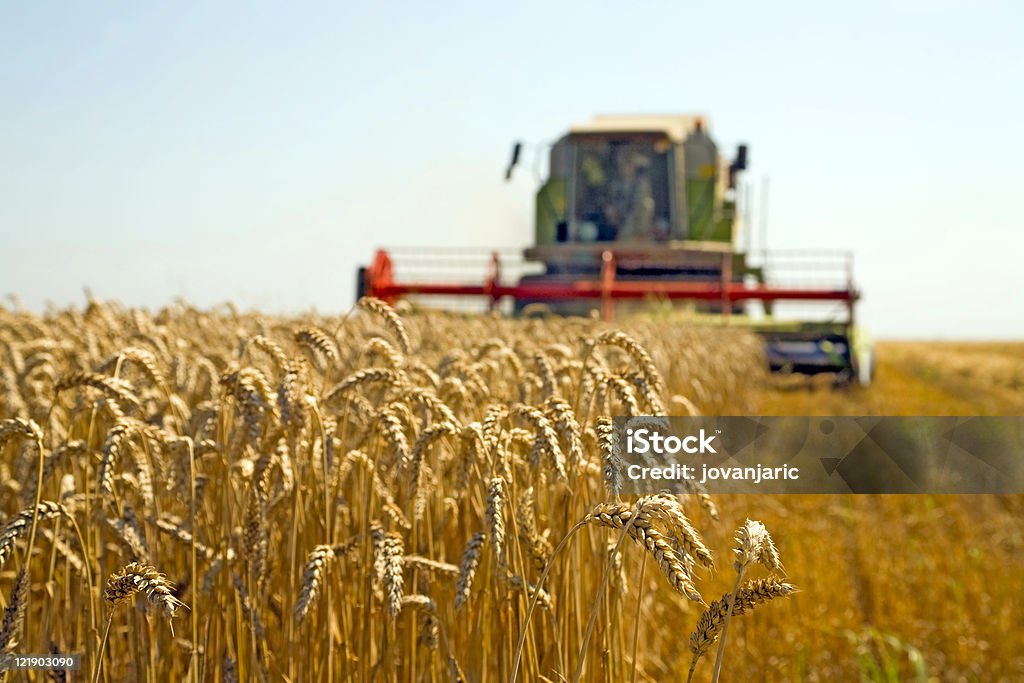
x,y
652,191
642,209
653,180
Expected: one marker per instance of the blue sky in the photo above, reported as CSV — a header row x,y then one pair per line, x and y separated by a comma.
x,y
259,151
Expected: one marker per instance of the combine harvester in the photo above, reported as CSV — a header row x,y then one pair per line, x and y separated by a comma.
x,y
644,209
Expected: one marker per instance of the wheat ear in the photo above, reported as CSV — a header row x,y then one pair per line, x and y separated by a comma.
x,y
753,545
750,595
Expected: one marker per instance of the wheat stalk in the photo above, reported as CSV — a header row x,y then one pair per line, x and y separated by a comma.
x,y
318,563
390,570
496,518
431,566
14,615
23,521
318,342
712,620
390,318
136,577
430,634
640,526
753,545
467,569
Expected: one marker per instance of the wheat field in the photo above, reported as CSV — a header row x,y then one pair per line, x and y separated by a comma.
x,y
416,496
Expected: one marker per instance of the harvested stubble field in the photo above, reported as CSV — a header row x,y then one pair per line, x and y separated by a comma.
x,y
229,496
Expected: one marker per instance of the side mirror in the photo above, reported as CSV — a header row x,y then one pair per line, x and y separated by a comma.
x,y
516,149
738,164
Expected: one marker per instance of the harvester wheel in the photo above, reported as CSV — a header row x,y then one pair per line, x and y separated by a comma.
x,y
843,379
